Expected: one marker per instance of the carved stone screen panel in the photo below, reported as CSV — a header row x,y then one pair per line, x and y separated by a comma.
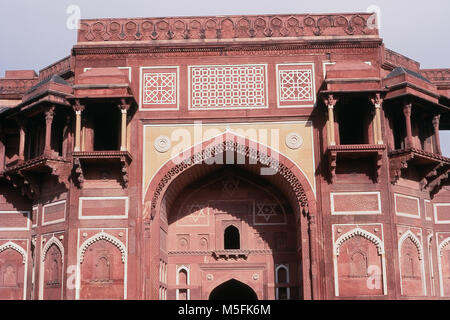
x,y
159,88
295,85
228,87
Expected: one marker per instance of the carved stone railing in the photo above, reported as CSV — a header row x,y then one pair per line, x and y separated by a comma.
x,y
16,86
393,59
436,75
227,27
60,67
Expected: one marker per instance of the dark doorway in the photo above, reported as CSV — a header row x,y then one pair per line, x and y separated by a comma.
x,y
233,290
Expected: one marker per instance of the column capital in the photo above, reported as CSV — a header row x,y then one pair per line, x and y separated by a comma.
x,y
376,100
49,114
436,120
407,109
330,100
124,105
21,121
77,107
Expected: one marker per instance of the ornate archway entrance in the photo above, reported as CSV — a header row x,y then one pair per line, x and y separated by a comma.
x,y
191,203
233,290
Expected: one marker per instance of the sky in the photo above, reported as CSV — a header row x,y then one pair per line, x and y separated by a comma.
x,y
34,33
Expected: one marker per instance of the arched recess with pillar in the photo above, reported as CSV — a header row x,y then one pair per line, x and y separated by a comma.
x,y
203,160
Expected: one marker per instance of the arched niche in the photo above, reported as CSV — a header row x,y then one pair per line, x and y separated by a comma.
x,y
359,264
102,263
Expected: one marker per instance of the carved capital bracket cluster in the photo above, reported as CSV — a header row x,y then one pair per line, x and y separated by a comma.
x,y
372,151
27,176
433,177
78,172
123,157
397,164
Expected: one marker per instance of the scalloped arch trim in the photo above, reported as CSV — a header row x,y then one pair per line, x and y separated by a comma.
x,y
103,236
414,239
443,245
53,241
16,247
358,232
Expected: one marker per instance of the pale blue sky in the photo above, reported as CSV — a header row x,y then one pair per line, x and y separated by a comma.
x,y
33,33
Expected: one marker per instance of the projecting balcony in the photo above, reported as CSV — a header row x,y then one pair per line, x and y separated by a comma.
x,y
26,175
433,168
363,152
106,159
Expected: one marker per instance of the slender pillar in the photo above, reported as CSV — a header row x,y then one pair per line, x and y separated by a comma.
x,y
377,102
22,125
436,120
78,108
407,112
123,106
2,149
330,101
49,114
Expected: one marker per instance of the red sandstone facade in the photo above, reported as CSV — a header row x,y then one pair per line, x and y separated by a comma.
x,y
257,157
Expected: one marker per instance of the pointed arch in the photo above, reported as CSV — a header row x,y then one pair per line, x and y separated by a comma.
x,y
414,239
358,232
103,236
255,151
16,247
443,245
55,241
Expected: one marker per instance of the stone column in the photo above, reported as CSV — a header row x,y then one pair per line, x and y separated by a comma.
x,y
436,120
49,114
22,125
377,102
2,149
123,106
407,112
330,101
78,108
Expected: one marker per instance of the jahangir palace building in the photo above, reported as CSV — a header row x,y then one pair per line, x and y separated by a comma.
x,y
251,157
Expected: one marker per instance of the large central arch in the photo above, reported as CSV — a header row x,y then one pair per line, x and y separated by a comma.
x,y
189,165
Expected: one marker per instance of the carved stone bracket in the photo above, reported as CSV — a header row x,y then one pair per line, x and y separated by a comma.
x,y
396,166
439,180
432,176
81,159
27,176
332,161
78,172
369,151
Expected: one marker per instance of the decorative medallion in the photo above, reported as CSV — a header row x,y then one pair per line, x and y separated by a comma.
x,y
162,144
294,140
255,276
209,277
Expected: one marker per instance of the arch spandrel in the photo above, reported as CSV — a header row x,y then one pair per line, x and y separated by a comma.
x,y
287,172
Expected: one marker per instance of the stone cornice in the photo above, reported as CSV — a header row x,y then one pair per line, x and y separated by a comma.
x,y
254,48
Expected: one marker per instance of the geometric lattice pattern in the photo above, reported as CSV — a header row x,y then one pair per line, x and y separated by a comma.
x,y
228,86
295,85
160,88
